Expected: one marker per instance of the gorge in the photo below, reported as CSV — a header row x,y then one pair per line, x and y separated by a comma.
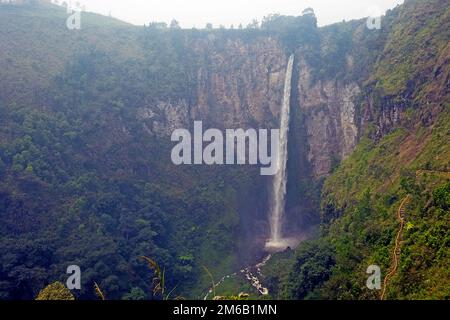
x,y
86,119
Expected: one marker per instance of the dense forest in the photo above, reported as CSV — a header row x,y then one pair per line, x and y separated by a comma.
x,y
86,177
83,182
360,198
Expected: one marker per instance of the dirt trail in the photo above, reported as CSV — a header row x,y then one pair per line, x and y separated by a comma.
x,y
396,253
401,218
421,172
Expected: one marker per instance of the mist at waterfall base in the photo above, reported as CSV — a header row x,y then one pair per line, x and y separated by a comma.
x,y
277,242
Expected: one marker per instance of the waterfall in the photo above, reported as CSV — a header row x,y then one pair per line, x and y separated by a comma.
x,y
278,200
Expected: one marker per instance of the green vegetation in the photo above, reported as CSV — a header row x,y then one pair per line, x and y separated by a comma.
x,y
85,178
84,182
411,157
418,38
55,291
360,201
293,32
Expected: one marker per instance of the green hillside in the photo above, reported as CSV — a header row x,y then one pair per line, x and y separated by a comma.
x,y
361,198
82,182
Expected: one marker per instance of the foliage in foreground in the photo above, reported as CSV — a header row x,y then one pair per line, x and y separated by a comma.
x,y
55,291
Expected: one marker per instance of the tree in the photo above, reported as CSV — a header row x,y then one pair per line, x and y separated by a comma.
x,y
267,20
209,26
364,207
2,166
254,24
135,293
408,181
174,24
55,291
308,11
312,268
441,196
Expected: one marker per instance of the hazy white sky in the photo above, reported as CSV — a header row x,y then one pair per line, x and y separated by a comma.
x,y
226,12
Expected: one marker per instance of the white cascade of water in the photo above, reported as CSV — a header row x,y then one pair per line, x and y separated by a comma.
x,y
278,201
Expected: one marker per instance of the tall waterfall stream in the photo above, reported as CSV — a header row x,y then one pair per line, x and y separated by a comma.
x,y
278,201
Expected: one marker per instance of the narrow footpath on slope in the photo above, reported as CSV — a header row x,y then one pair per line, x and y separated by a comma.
x,y
401,218
398,243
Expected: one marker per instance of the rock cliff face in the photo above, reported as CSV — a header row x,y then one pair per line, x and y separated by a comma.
x,y
384,114
236,82
240,85
328,108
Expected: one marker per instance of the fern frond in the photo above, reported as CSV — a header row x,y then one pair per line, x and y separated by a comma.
x,y
98,291
152,264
